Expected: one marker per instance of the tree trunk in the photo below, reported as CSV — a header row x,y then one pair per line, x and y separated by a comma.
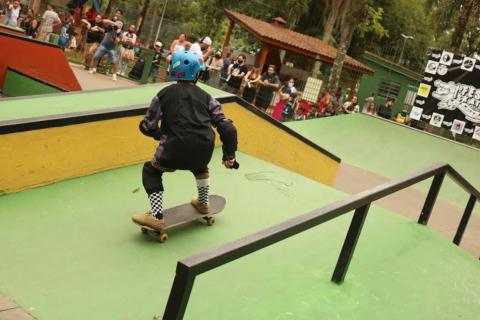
x,y
153,25
354,16
143,14
111,4
337,7
461,26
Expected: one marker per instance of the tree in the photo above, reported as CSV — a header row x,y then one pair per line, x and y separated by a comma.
x,y
466,10
355,13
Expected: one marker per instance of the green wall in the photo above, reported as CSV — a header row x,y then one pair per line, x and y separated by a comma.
x,y
16,85
386,70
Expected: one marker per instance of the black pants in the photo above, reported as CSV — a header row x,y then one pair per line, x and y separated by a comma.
x,y
152,177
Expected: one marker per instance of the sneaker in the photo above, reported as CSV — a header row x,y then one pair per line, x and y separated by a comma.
x,y
114,77
92,71
201,208
148,220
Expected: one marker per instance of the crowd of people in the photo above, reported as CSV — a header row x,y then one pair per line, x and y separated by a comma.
x,y
107,37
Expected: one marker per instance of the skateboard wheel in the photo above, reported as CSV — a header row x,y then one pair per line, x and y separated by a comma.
x,y
210,221
162,237
144,230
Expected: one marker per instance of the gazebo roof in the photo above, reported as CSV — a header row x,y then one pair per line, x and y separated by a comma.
x,y
281,37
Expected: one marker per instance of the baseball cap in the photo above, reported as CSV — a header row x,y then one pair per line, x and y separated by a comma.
x,y
207,41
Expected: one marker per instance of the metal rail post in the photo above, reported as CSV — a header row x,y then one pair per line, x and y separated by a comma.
x,y
465,218
431,198
349,244
180,293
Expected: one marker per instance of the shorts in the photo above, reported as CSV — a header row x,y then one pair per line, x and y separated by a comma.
x,y
112,54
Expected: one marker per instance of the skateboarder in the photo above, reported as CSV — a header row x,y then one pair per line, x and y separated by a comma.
x,y
187,139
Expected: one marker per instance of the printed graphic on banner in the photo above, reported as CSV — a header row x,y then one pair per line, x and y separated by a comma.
x,y
424,90
468,64
416,113
447,58
476,133
449,95
442,70
437,119
432,67
458,126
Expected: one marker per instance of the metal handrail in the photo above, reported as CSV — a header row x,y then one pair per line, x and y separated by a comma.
x,y
189,268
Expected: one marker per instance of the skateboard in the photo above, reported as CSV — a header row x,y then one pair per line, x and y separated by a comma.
x,y
186,213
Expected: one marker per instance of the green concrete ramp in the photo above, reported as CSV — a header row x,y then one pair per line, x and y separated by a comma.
x,y
70,251
391,150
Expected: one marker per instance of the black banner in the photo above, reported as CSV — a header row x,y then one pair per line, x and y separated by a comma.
x,y
449,95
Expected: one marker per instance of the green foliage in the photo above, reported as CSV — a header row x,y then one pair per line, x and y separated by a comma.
x,y
372,24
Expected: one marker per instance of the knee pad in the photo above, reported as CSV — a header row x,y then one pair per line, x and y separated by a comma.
x,y
152,178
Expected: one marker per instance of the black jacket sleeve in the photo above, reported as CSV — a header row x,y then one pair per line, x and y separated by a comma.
x,y
149,125
225,128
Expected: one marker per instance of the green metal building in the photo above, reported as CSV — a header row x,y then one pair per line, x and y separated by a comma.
x,y
390,80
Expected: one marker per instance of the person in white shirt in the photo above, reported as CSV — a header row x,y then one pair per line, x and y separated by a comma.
x,y
352,106
13,12
127,54
202,49
49,19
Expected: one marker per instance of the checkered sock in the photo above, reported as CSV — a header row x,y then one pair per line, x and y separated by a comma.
x,y
203,187
156,202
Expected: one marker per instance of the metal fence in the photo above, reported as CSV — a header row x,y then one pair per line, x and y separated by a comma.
x,y
188,269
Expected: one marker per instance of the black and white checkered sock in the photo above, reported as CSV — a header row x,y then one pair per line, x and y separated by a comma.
x,y
156,202
203,187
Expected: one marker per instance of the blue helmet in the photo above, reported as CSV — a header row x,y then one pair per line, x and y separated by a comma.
x,y
184,66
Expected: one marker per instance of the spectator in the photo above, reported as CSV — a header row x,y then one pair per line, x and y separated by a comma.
x,y
202,49
12,14
303,110
30,24
338,97
95,33
251,80
330,109
370,109
2,9
236,72
108,45
352,106
386,111
156,60
325,99
49,20
227,61
285,92
370,98
178,45
289,108
214,65
66,31
269,83
127,54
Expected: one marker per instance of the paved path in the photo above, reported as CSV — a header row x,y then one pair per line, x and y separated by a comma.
x,y
409,202
10,311
98,81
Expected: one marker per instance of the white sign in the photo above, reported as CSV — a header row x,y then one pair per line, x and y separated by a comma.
x,y
416,113
437,119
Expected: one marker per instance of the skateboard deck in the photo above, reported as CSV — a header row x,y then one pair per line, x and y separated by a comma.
x,y
186,213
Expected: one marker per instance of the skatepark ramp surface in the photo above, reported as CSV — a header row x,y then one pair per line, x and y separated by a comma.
x,y
70,251
188,269
33,61
71,135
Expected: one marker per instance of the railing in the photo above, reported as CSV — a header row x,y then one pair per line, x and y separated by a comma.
x,y
189,268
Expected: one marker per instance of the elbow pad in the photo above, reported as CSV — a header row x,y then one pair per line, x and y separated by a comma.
x,y
148,132
228,136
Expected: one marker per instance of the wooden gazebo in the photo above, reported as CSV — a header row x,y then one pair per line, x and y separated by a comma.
x,y
275,35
